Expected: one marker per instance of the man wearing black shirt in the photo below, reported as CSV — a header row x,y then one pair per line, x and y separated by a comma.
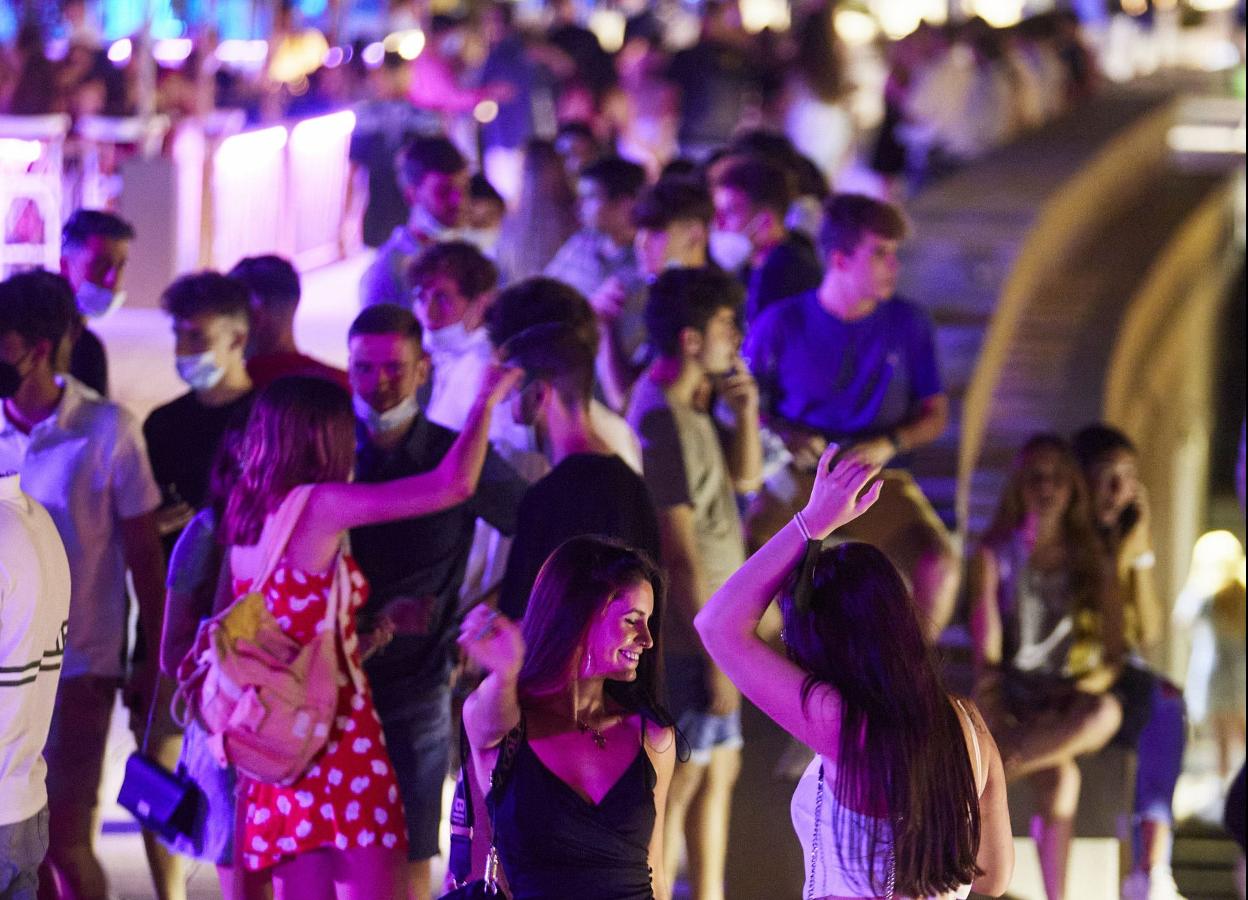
x,y
209,317
720,84
209,313
752,197
414,567
95,246
384,124
589,490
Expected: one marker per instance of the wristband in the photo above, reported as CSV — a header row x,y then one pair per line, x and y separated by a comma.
x,y
800,521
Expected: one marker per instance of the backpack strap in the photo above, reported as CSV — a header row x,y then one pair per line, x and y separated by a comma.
x,y
277,535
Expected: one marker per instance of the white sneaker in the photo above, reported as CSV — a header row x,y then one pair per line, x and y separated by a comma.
x,y
1155,885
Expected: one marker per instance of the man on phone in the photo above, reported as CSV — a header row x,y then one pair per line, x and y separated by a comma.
x,y
696,464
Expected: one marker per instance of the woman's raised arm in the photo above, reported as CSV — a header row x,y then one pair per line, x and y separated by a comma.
x,y
728,623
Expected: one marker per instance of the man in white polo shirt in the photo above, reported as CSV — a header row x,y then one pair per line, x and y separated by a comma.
x,y
84,459
34,608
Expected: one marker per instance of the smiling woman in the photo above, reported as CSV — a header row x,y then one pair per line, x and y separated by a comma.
x,y
574,686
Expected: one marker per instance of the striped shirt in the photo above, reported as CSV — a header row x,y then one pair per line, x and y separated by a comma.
x,y
34,618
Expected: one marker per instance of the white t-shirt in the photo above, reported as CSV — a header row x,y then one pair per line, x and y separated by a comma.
x,y
87,463
34,608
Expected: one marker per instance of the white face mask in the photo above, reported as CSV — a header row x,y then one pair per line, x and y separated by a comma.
x,y
730,249
96,302
397,418
199,370
452,339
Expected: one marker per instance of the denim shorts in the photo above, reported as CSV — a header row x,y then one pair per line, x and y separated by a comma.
x,y
22,848
418,739
688,702
212,833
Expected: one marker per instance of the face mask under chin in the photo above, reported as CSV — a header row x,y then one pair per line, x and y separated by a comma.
x,y
397,418
730,249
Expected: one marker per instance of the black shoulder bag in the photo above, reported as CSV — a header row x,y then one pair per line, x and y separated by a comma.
x,y
459,863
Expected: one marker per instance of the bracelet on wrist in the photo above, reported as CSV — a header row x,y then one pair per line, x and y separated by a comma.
x,y
800,521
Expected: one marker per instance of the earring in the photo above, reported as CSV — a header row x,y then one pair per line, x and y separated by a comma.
x,y
589,663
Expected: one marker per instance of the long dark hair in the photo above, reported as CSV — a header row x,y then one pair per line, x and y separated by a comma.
x,y
1092,445
820,60
901,742
574,585
301,431
1085,560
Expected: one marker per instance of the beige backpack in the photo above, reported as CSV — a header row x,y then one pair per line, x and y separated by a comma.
x,y
267,701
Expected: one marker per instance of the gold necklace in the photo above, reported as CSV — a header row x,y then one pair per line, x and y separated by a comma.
x,y
595,734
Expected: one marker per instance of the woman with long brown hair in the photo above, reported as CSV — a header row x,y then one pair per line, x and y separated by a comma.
x,y
337,831
1048,638
542,219
571,691
905,796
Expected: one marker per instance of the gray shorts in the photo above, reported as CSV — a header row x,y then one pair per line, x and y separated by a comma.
x,y
22,848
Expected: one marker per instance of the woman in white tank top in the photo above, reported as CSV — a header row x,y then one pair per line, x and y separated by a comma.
x,y
906,795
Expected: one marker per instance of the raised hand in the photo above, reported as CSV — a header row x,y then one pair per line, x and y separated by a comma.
x,y
608,301
740,391
492,642
499,381
838,496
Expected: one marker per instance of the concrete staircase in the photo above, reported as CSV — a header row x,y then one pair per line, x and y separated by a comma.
x,y
1064,222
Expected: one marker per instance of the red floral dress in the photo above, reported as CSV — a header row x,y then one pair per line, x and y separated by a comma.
x,y
348,799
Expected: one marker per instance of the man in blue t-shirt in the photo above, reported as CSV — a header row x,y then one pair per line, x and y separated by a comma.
x,y
850,363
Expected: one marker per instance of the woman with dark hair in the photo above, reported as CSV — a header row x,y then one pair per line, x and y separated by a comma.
x,y
906,794
1154,715
193,592
1047,631
572,689
543,218
337,830
816,113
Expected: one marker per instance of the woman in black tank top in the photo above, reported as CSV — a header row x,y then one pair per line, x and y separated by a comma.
x,y
578,806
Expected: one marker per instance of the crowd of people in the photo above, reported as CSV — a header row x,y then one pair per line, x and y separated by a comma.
x,y
591,426
500,77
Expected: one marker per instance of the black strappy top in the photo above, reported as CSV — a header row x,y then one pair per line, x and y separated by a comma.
x,y
555,845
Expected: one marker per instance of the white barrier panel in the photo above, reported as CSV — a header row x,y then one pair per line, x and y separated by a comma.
x,y
317,172
275,190
31,152
247,192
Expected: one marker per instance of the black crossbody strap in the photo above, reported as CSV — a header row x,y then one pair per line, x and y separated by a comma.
x,y
459,861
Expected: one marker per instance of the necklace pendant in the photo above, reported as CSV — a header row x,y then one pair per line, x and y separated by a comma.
x,y
599,739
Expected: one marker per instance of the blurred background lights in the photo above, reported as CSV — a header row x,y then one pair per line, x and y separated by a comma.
x,y
997,13
608,26
485,112
334,57
242,53
119,52
373,54
759,14
172,51
855,27
406,44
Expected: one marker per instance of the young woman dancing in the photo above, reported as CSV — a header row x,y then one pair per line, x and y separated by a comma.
x,y
906,794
